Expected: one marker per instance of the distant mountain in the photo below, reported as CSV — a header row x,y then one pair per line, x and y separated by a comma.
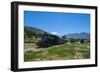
x,y
82,35
32,31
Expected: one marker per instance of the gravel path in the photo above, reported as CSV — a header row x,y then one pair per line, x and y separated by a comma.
x,y
33,49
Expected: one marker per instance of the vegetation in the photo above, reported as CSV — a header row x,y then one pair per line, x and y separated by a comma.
x,y
49,40
81,41
60,52
40,45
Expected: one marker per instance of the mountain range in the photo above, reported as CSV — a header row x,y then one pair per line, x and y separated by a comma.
x,y
82,35
32,31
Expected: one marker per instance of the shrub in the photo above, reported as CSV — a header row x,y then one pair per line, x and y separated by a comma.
x,y
72,40
82,41
49,40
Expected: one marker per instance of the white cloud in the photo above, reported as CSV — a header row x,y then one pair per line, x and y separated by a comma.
x,y
55,33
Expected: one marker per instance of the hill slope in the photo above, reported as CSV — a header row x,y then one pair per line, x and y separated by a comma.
x,y
32,31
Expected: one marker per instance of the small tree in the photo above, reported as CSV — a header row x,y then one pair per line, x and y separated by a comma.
x,y
72,40
88,41
82,41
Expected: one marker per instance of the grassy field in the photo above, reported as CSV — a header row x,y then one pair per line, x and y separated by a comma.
x,y
65,51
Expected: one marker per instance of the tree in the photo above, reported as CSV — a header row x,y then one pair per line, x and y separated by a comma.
x,y
72,40
81,41
49,40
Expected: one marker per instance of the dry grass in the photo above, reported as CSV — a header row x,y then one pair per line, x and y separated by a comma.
x,y
60,52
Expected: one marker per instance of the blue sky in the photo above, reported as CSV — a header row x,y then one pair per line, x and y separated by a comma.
x,y
58,23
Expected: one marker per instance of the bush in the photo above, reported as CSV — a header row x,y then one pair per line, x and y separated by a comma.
x,y
72,40
82,41
49,40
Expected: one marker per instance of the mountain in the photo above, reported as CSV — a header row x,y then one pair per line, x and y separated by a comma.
x,y
82,35
33,34
32,31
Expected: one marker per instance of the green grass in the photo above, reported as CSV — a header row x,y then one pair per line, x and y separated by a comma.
x,y
60,52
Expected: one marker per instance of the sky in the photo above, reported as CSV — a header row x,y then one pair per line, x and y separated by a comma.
x,y
57,22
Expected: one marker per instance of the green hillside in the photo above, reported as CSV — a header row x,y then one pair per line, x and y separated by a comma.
x,y
40,37
32,34
32,31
